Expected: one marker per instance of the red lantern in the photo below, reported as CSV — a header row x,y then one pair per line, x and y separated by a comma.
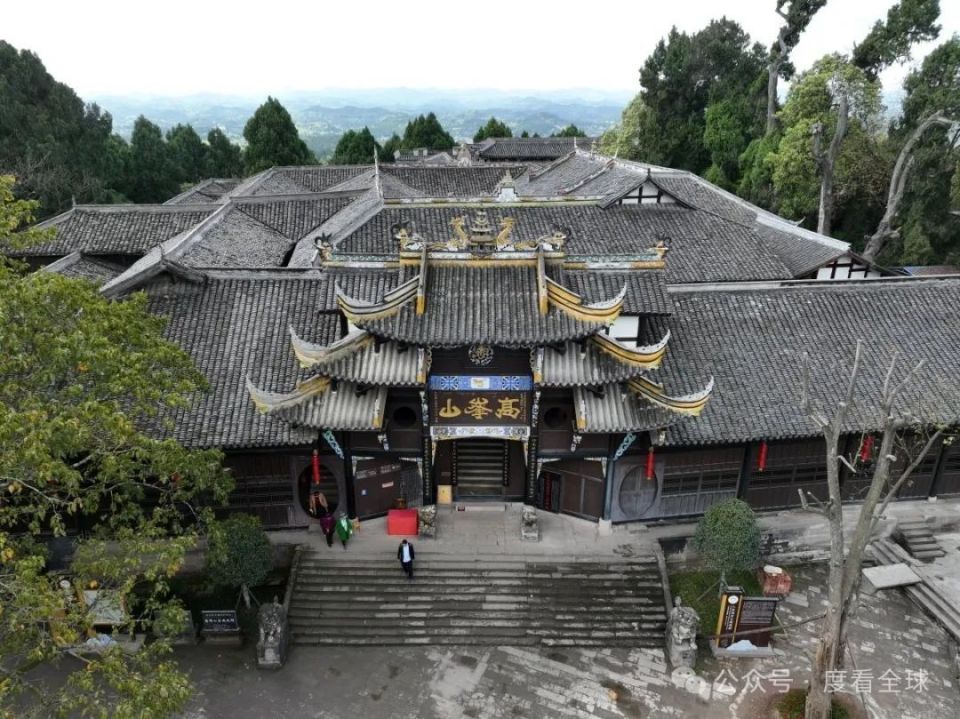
x,y
762,458
316,467
866,448
650,472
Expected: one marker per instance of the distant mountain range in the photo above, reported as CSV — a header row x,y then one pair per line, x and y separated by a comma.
x,y
322,117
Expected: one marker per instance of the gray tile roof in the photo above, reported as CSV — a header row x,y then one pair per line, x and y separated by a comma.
x,y
801,257
315,178
800,250
752,342
342,407
459,182
79,266
703,247
646,289
590,367
618,410
212,190
235,328
236,240
384,365
698,193
530,148
294,218
491,305
558,176
117,229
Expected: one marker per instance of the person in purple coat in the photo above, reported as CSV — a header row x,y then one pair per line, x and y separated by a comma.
x,y
327,523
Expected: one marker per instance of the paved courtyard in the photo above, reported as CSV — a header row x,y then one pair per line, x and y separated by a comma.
x,y
901,662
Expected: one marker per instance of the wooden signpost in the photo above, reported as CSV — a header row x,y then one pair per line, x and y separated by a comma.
x,y
739,614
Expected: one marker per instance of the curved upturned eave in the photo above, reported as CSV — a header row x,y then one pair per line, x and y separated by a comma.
x,y
310,354
270,402
643,357
689,404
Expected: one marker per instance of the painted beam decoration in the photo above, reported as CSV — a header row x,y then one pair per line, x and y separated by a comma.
x,y
493,400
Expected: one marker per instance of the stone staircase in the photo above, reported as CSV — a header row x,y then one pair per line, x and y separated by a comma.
x,y
926,594
479,467
916,537
341,600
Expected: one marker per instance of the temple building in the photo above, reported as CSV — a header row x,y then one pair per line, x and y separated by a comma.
x,y
603,338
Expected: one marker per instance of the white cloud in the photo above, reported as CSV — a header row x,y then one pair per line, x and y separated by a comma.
x,y
176,47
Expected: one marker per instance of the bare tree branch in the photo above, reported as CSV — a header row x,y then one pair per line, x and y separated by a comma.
x,y
898,182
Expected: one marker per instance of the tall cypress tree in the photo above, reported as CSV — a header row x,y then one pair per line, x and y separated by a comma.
x,y
272,139
153,173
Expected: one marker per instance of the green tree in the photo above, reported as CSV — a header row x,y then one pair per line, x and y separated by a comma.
x,y
54,143
390,148
524,134
725,136
493,128
153,175
796,17
426,131
356,148
917,226
728,537
823,104
188,153
569,131
635,137
80,377
687,73
224,158
272,139
756,171
907,23
239,554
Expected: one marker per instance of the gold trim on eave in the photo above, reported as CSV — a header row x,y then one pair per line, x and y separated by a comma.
x,y
309,354
647,357
690,404
605,312
267,402
358,311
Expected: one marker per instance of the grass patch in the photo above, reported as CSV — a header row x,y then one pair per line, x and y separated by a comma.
x,y
793,704
690,587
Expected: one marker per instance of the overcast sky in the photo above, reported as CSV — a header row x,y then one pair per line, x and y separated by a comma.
x,y
104,47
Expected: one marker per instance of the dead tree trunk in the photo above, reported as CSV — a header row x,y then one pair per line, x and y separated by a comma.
x,y
898,181
827,162
846,562
773,75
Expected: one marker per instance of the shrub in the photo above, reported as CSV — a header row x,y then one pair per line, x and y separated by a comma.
x,y
728,537
239,554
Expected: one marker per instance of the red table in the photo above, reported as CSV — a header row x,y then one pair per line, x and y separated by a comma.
x,y
402,522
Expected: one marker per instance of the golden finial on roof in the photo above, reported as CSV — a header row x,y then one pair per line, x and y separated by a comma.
x,y
461,238
503,238
480,224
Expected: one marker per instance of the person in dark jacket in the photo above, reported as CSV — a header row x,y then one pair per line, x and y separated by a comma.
x,y
327,523
405,555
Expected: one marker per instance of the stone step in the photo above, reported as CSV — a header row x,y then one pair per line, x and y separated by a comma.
x,y
389,623
498,560
440,640
489,600
434,584
511,632
304,614
427,570
926,595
